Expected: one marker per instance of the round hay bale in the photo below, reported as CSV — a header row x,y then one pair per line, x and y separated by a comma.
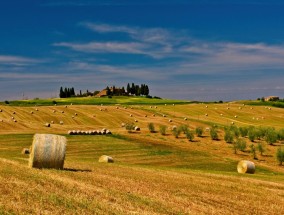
x,y
154,115
136,120
15,120
185,118
65,106
76,114
170,120
206,114
52,122
54,111
137,128
14,112
122,125
47,125
130,115
174,127
36,109
25,151
245,166
145,115
164,115
62,111
108,132
47,151
236,116
0,110
32,112
61,123
232,123
106,159
12,117
155,107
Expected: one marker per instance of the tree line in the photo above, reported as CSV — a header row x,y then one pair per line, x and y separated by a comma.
x,y
131,89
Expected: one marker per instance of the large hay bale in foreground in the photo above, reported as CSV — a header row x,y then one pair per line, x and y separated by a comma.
x,y
48,151
245,166
106,159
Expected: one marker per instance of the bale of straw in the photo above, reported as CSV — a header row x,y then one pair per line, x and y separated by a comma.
x,y
25,151
137,128
106,159
245,166
47,125
170,120
61,122
47,151
70,132
185,118
108,132
0,110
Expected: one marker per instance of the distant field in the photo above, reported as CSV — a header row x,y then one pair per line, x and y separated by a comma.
x,y
122,100
152,173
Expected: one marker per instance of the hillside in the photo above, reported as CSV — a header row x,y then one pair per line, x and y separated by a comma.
x,y
152,173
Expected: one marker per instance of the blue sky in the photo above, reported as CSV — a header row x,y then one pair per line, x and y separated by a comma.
x,y
194,49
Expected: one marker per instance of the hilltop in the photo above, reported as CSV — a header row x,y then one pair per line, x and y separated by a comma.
x,y
152,173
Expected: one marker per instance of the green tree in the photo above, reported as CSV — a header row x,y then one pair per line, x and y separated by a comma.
x,y
108,91
229,137
146,91
189,135
128,89
252,133
163,129
260,148
132,89
199,131
243,131
129,127
213,133
151,127
61,92
253,151
280,134
176,132
280,155
271,136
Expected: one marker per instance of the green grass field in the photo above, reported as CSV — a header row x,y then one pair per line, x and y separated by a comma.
x,y
152,174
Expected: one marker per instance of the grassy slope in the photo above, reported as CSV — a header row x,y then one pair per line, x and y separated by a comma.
x,y
153,174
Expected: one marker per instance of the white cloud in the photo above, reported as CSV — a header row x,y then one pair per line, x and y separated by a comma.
x,y
17,60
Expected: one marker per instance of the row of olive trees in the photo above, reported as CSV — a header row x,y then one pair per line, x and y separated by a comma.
x,y
237,136
234,135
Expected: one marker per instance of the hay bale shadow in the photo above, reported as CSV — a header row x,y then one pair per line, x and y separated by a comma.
x,y
77,170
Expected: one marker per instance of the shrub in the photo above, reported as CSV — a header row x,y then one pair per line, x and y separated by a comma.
x,y
213,133
7,102
176,132
243,131
129,127
252,133
199,131
253,151
260,148
163,129
229,137
189,135
241,144
54,102
280,134
271,136
151,127
183,128
280,155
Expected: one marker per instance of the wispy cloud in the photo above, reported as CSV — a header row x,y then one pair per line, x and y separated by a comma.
x,y
17,60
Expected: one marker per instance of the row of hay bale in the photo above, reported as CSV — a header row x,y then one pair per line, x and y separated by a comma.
x,y
90,132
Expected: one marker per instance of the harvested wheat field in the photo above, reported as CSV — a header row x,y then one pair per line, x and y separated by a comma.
x,y
151,173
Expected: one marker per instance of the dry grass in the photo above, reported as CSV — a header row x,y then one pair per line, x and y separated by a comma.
x,y
152,174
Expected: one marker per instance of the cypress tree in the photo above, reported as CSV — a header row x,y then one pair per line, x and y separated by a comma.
x,y
61,93
128,89
146,90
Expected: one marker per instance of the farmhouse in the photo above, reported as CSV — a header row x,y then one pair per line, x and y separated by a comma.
x,y
271,98
112,91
